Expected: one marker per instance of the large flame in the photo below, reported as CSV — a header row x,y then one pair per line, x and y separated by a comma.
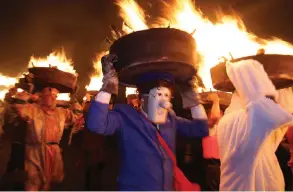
x,y
55,59
97,77
7,81
228,37
63,97
133,15
3,93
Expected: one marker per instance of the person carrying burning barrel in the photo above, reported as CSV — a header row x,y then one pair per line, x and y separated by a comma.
x,y
43,159
248,133
147,136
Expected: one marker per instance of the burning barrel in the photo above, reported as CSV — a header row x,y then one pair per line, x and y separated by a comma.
x,y
52,77
155,50
278,67
225,99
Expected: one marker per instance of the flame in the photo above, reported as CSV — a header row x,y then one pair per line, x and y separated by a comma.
x,y
5,84
55,59
19,90
63,97
3,93
133,16
228,37
96,79
129,91
7,81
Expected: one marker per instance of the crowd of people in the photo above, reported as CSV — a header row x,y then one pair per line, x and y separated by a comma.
x,y
243,146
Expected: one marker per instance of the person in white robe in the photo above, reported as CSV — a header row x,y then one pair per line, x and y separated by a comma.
x,y
251,130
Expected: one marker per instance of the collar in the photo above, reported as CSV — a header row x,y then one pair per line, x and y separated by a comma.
x,y
145,116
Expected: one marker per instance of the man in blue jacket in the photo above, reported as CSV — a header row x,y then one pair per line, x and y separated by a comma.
x,y
145,165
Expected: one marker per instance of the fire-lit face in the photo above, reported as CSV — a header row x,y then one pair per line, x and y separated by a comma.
x,y
134,102
158,104
49,97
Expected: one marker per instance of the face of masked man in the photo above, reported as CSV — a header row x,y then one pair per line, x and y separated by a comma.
x,y
49,97
158,103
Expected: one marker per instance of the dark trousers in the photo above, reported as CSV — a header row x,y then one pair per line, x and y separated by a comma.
x,y
93,177
213,173
283,156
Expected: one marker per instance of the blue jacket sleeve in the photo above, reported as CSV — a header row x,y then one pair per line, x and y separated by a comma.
x,y
102,121
192,128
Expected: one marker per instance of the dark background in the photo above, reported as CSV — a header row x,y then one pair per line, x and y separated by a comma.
x,y
37,27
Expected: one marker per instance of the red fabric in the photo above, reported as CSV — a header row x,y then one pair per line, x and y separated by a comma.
x,y
181,183
210,147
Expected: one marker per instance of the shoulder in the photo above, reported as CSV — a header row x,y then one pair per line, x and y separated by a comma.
x,y
126,110
123,107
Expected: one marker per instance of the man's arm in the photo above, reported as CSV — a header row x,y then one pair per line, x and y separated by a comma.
x,y
25,111
100,120
215,114
198,127
262,114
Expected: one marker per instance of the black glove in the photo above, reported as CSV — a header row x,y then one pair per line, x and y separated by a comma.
x,y
189,94
110,79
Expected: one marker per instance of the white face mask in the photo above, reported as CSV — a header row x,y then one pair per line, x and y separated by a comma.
x,y
158,104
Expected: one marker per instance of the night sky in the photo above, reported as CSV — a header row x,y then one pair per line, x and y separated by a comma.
x,y
37,27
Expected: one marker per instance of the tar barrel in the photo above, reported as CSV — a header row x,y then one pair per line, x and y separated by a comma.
x,y
225,99
52,77
155,50
278,67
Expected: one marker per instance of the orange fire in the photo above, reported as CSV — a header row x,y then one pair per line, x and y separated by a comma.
x,y
55,59
5,84
129,91
227,37
133,15
63,97
97,77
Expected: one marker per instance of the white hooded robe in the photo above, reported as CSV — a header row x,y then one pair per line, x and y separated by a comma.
x,y
250,131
